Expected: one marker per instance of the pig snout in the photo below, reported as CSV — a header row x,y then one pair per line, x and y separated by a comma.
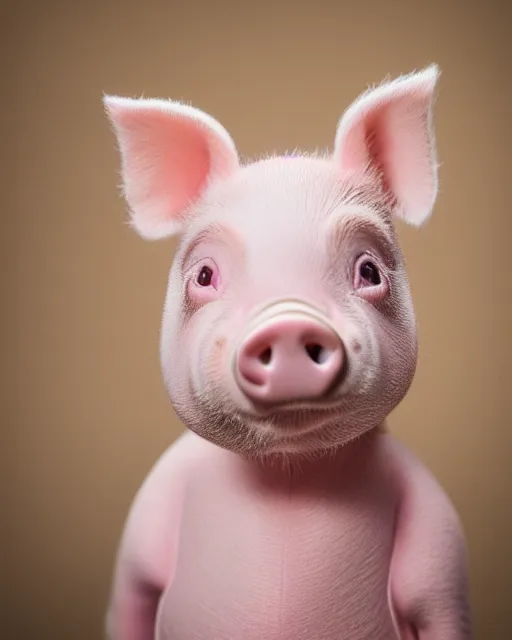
x,y
288,358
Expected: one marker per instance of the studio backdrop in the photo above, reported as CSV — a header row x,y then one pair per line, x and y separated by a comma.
x,y
84,413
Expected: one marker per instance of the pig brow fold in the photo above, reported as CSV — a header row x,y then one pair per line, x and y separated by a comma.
x,y
363,226
210,231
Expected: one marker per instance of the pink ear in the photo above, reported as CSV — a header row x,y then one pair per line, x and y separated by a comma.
x,y
170,154
389,129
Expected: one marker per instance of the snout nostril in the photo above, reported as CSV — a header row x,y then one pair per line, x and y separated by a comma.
x,y
317,353
289,358
265,356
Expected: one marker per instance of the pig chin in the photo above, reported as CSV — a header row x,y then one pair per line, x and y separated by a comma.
x,y
293,429
220,416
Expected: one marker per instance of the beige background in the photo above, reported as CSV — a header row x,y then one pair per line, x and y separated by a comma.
x,y
84,412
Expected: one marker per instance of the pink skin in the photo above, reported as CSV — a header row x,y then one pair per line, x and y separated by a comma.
x,y
287,511
290,358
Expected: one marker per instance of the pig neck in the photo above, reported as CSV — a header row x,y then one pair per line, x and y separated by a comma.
x,y
313,468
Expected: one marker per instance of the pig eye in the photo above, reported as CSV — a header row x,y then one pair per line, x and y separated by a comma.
x,y
203,282
205,277
369,273
369,281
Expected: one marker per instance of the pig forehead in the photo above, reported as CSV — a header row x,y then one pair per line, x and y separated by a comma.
x,y
291,194
284,188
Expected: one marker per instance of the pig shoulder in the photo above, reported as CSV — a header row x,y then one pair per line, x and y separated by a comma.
x,y
152,528
415,482
429,568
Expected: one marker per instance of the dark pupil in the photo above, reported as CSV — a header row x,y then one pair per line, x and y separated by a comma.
x,y
205,277
370,273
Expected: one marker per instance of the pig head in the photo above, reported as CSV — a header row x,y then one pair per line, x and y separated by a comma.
x,y
288,323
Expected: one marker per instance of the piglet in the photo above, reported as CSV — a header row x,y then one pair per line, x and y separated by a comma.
x,y
287,511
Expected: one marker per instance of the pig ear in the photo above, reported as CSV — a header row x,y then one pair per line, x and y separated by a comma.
x,y
170,154
390,129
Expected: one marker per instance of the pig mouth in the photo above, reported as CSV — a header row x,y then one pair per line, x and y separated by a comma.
x,y
296,418
305,414
301,426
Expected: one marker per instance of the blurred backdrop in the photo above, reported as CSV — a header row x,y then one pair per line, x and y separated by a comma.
x,y
84,413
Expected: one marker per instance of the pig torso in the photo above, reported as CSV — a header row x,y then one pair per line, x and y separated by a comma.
x,y
273,553
288,326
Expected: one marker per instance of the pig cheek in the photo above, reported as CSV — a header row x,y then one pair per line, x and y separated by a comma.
x,y
355,326
399,366
203,348
370,386
398,356
187,326
402,351
191,351
169,335
175,370
388,361
178,347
